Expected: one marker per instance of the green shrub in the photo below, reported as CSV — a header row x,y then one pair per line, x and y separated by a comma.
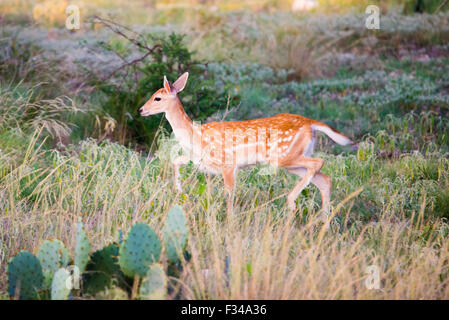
x,y
171,58
441,208
428,6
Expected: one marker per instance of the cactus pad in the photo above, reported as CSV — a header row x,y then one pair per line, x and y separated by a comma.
x,y
60,288
141,248
102,269
25,275
154,285
82,247
52,255
175,233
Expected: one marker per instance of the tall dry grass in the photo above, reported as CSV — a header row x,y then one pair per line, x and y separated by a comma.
x,y
261,251
272,257
23,110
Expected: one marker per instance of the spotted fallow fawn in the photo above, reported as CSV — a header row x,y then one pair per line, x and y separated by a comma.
x,y
285,140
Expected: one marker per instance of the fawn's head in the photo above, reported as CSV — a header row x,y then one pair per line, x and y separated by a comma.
x,y
165,98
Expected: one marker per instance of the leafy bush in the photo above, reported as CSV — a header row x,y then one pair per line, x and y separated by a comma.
x,y
168,56
428,6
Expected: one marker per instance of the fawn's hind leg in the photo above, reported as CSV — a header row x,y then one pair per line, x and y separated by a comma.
x,y
321,181
312,166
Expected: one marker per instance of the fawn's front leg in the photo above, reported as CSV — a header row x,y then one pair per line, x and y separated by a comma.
x,y
179,161
229,175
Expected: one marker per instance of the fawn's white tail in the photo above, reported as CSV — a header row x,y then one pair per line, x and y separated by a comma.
x,y
332,133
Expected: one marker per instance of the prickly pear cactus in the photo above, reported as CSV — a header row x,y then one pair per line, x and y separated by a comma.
x,y
25,275
82,247
52,255
102,269
154,285
140,249
60,286
175,233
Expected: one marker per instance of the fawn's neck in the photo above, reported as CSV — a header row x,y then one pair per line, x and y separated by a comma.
x,y
181,124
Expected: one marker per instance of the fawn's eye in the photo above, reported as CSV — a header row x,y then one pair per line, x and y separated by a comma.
x,y
157,99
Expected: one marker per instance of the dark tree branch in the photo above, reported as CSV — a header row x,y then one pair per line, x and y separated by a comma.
x,y
140,43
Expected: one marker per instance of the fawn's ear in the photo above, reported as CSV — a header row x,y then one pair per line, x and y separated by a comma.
x,y
181,82
167,86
